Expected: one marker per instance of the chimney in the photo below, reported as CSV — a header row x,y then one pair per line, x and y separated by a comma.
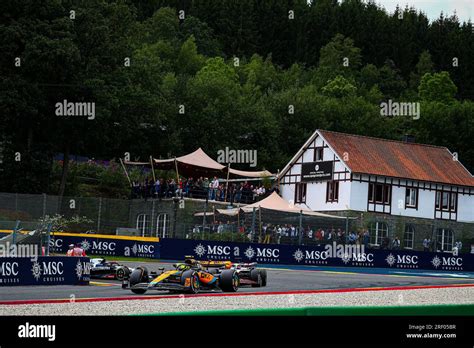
x,y
408,138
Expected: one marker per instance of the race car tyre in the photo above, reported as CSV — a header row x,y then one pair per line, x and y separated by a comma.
x,y
144,277
138,291
121,272
136,276
256,277
263,275
194,283
139,275
229,281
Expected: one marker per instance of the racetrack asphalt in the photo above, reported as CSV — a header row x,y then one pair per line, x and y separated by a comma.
x,y
280,279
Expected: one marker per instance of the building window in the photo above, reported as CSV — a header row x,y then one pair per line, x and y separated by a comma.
x,y
446,201
332,191
411,197
379,193
162,225
409,237
318,154
378,231
453,197
300,193
142,224
444,239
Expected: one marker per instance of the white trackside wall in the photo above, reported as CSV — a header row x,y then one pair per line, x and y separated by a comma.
x,y
353,194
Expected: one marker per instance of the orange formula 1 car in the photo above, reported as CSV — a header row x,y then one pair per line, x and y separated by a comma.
x,y
190,277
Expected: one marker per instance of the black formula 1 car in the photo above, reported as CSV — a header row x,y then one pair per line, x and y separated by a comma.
x,y
103,269
248,273
187,277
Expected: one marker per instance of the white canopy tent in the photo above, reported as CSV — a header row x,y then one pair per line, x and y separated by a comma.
x,y
276,203
199,163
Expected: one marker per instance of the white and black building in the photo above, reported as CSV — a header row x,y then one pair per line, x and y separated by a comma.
x,y
396,187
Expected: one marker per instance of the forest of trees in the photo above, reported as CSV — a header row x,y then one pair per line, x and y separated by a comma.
x,y
170,76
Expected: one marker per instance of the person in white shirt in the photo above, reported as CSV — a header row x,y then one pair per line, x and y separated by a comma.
x,y
71,250
214,185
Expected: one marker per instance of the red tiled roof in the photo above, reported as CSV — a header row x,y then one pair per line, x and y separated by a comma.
x,y
398,159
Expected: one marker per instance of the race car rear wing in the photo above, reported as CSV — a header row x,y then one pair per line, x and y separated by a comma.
x,y
216,264
246,264
226,264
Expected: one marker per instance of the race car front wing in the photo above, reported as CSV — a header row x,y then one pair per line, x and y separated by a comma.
x,y
158,286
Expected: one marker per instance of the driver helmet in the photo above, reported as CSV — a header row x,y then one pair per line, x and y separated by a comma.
x,y
182,267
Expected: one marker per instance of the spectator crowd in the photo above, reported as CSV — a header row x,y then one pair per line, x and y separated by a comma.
x,y
202,188
289,234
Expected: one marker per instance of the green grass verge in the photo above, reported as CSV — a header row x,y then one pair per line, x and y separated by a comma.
x,y
438,310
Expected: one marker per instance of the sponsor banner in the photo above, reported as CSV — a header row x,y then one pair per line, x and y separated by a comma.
x,y
44,271
106,247
325,255
316,171
176,249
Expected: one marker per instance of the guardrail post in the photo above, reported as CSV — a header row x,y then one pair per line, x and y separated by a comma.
x,y
204,218
152,225
347,226
99,214
48,239
301,228
44,205
175,212
17,225
253,223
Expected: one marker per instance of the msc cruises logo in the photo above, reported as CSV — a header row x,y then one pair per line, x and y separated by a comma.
x,y
200,250
250,252
49,271
298,255
216,252
223,252
391,260
402,261
346,258
450,263
82,268
36,270
312,257
85,244
436,262
79,269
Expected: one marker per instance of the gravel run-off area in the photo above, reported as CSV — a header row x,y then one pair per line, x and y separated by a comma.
x,y
452,295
